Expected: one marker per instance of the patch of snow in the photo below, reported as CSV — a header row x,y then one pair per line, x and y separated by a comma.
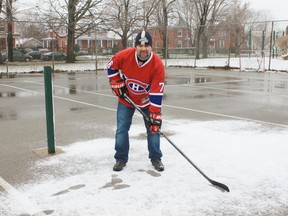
x,y
249,158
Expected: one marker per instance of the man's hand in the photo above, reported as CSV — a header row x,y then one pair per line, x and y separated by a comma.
x,y
155,122
119,88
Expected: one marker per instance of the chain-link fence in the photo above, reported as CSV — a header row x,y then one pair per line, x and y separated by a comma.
x,y
270,36
259,40
221,42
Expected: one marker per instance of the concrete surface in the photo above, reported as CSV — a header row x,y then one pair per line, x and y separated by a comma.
x,y
85,108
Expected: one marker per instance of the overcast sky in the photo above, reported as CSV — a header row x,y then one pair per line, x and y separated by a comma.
x,y
277,8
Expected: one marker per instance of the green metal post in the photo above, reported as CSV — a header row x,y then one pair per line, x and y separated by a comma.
x,y
270,48
263,40
250,39
49,109
273,48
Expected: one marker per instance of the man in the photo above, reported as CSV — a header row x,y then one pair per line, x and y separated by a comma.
x,y
138,73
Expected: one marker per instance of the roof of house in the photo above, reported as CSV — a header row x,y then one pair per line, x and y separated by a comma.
x,y
29,42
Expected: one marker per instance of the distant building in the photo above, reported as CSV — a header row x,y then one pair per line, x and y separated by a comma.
x,y
178,39
106,42
30,43
56,42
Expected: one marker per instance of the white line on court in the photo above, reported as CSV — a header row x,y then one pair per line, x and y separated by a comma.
x,y
10,86
83,91
204,85
207,83
63,98
226,116
164,105
242,91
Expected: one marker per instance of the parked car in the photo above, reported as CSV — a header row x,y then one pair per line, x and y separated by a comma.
x,y
58,56
35,54
17,56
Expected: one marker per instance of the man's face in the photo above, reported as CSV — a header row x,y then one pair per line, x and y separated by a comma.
x,y
143,51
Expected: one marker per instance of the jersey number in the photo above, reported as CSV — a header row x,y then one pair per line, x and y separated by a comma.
x,y
162,86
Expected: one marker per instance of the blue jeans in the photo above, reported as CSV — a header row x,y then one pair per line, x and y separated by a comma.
x,y
124,120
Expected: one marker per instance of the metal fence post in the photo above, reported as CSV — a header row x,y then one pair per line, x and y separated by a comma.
x,y
49,109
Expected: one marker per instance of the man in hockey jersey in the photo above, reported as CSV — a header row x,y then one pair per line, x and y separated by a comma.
x,y
139,73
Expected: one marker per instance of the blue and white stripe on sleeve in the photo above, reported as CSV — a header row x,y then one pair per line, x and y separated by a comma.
x,y
156,99
112,73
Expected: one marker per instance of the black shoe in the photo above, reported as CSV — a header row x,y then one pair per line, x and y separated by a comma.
x,y
119,166
158,165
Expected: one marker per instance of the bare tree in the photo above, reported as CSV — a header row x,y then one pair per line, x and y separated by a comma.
x,y
71,30
1,60
186,13
165,9
74,17
149,8
9,29
78,16
242,21
9,17
122,17
29,26
258,21
32,30
209,13
236,21
207,17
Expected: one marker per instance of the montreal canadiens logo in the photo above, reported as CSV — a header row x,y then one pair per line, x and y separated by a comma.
x,y
137,87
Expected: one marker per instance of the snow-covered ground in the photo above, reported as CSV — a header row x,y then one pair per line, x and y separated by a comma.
x,y
275,64
250,158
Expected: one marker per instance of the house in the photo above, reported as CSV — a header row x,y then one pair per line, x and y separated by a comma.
x,y
56,41
30,43
106,42
178,39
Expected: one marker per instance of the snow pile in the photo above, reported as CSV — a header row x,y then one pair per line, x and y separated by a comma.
x,y
90,65
251,159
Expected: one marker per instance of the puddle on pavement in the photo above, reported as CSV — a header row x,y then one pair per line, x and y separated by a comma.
x,y
202,79
76,108
17,94
186,80
8,115
281,85
71,76
72,89
9,75
7,94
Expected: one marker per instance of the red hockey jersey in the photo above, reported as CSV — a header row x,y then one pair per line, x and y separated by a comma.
x,y
145,83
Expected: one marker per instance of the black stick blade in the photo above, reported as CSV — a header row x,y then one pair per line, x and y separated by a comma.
x,y
219,186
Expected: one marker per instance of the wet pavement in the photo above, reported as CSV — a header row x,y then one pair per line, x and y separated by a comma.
x,y
85,108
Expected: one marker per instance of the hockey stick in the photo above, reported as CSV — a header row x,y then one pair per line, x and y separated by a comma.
x,y
218,185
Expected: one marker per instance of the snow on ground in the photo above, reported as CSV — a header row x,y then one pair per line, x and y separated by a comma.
x,y
250,158
275,65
